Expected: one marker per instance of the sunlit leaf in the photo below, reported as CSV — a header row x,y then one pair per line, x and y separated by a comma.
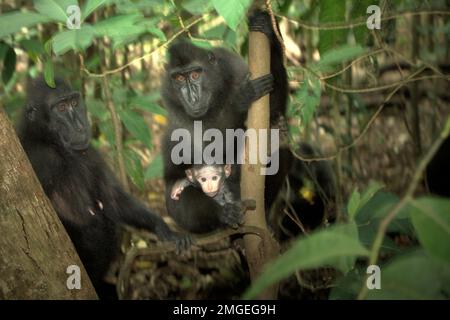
x,y
54,9
134,168
13,22
329,247
232,11
90,6
136,125
431,219
412,276
155,169
148,103
49,73
76,39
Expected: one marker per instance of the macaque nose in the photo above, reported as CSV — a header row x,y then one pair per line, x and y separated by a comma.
x,y
209,187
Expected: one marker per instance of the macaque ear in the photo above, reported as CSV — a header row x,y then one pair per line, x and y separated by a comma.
x,y
227,169
190,175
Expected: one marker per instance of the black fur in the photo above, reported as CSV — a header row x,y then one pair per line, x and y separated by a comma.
x,y
307,196
88,199
226,78
438,172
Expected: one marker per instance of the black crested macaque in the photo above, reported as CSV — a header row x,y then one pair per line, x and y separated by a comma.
x,y
214,87
211,180
307,198
88,199
438,171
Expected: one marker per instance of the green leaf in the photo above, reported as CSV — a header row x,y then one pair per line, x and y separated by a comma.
x,y
337,56
134,168
353,204
232,11
76,39
155,169
97,108
412,276
13,22
33,47
9,64
347,286
204,44
136,125
331,11
332,246
147,103
90,6
121,29
54,9
308,96
48,47
158,33
49,73
358,10
197,7
357,201
431,219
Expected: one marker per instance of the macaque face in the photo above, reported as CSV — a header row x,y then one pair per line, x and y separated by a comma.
x,y
210,178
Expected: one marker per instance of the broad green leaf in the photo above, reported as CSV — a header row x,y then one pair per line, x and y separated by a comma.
x,y
331,11
9,64
121,29
337,56
97,108
431,219
90,6
232,11
32,46
359,11
136,126
13,22
54,9
353,204
412,276
329,247
49,73
308,97
155,169
216,32
202,44
76,39
347,286
197,6
357,201
134,168
147,103
158,33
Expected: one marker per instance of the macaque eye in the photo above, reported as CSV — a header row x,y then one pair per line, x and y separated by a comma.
x,y
203,179
195,75
73,103
179,78
214,178
62,106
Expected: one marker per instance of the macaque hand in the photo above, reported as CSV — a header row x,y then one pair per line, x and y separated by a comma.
x,y
231,215
177,189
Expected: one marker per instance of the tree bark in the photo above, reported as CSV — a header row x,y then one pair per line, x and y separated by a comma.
x,y
258,250
35,250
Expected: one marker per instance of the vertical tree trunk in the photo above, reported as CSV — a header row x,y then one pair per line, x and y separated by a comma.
x,y
35,250
258,252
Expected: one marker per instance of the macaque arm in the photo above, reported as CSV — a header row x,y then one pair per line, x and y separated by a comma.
x,y
178,187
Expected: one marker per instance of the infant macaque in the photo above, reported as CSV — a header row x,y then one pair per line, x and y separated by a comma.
x,y
211,179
